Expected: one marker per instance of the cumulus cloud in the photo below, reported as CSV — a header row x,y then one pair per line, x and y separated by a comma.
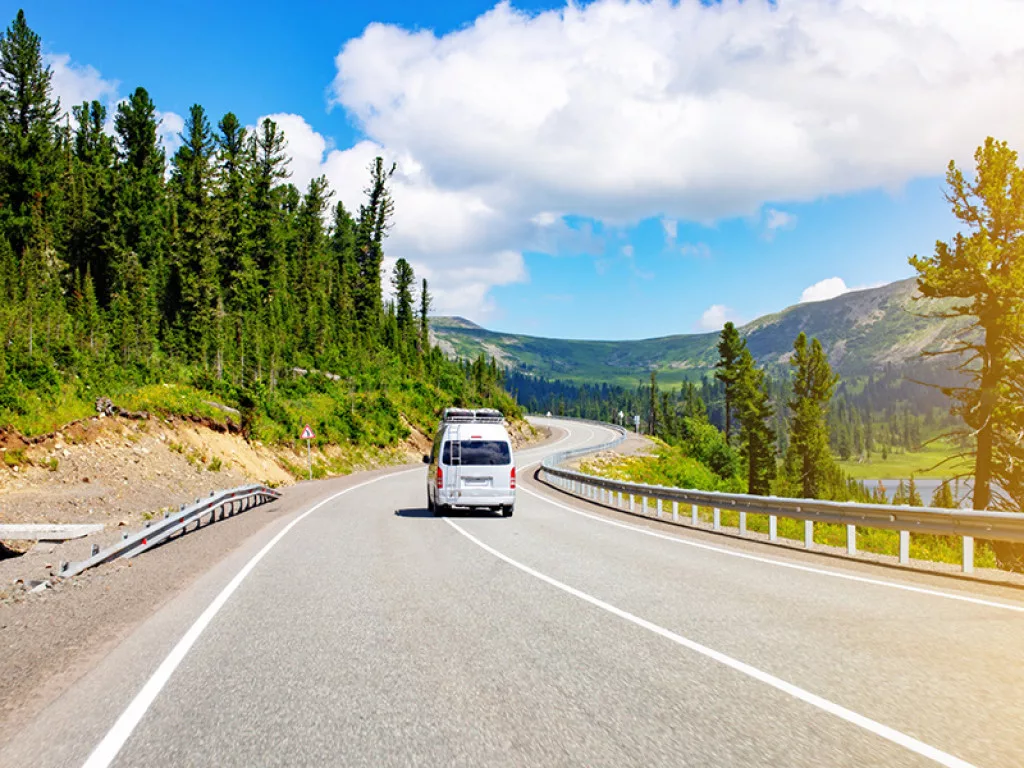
x,y
716,316
623,110
776,220
76,83
828,288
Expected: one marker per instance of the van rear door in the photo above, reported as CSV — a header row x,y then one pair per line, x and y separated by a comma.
x,y
483,464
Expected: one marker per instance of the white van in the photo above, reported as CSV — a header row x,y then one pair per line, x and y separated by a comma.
x,y
471,464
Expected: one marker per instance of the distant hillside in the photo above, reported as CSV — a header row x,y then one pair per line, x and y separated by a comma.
x,y
861,331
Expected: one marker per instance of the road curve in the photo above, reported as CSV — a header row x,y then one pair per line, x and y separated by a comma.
x,y
366,632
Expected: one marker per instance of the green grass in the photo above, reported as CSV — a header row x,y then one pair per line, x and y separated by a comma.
x,y
939,549
903,465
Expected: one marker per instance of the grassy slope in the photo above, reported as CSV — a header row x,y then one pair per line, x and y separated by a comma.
x,y
902,465
652,470
860,330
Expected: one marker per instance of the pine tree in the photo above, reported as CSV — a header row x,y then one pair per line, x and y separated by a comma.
x,y
754,412
195,266
402,280
425,302
730,349
984,270
28,123
808,460
374,219
653,403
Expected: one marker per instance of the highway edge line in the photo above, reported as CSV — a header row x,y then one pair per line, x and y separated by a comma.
x,y
781,563
107,750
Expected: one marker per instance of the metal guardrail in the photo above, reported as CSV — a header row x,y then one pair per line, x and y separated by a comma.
x,y
217,505
967,524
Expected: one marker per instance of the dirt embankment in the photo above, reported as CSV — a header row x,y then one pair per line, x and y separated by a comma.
x,y
121,471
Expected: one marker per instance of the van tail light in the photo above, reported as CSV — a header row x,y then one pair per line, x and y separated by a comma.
x,y
440,479
512,479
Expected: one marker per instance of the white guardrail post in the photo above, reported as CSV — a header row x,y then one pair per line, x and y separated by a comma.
x,y
966,524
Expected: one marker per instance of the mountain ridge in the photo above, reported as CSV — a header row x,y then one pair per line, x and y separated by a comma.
x,y
861,331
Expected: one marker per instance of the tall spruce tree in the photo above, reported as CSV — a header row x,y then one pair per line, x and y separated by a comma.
x,y
808,459
425,302
730,349
754,410
195,266
402,279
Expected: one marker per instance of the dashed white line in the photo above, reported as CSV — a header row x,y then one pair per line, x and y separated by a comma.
x,y
861,721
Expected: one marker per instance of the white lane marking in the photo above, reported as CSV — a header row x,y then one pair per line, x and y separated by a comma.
x,y
891,734
782,563
105,752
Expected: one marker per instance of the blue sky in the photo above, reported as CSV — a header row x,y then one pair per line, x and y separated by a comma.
x,y
613,170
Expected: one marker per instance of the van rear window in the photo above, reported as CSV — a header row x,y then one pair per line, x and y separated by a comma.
x,y
479,453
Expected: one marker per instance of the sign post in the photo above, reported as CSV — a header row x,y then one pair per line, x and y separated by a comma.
x,y
307,435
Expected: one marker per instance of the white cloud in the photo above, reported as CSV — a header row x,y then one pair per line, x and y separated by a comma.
x,y
697,250
716,316
169,128
624,110
627,251
828,288
76,83
775,219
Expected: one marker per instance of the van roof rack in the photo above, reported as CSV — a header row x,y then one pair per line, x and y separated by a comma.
x,y
472,416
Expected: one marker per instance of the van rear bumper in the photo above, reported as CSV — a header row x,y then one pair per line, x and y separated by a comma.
x,y
476,498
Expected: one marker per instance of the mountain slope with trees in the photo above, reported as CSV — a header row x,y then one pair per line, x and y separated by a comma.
x,y
170,283
861,331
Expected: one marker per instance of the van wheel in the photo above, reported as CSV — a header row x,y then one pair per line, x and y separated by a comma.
x,y
440,510
507,510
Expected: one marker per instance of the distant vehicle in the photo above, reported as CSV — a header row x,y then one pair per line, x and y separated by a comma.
x,y
471,463
549,414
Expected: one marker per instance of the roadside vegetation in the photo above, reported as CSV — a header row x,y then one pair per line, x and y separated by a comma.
x,y
798,439
204,284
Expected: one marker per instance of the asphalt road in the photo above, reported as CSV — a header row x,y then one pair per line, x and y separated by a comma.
x,y
369,633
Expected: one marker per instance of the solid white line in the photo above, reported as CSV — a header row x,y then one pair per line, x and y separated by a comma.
x,y
783,563
891,734
105,752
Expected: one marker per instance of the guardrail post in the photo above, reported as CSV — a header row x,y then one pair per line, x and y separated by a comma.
x,y
851,539
773,528
632,502
808,533
659,507
743,523
693,514
904,547
675,511
643,505
620,500
968,561
718,518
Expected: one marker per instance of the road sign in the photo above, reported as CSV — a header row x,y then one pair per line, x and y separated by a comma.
x,y
307,435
